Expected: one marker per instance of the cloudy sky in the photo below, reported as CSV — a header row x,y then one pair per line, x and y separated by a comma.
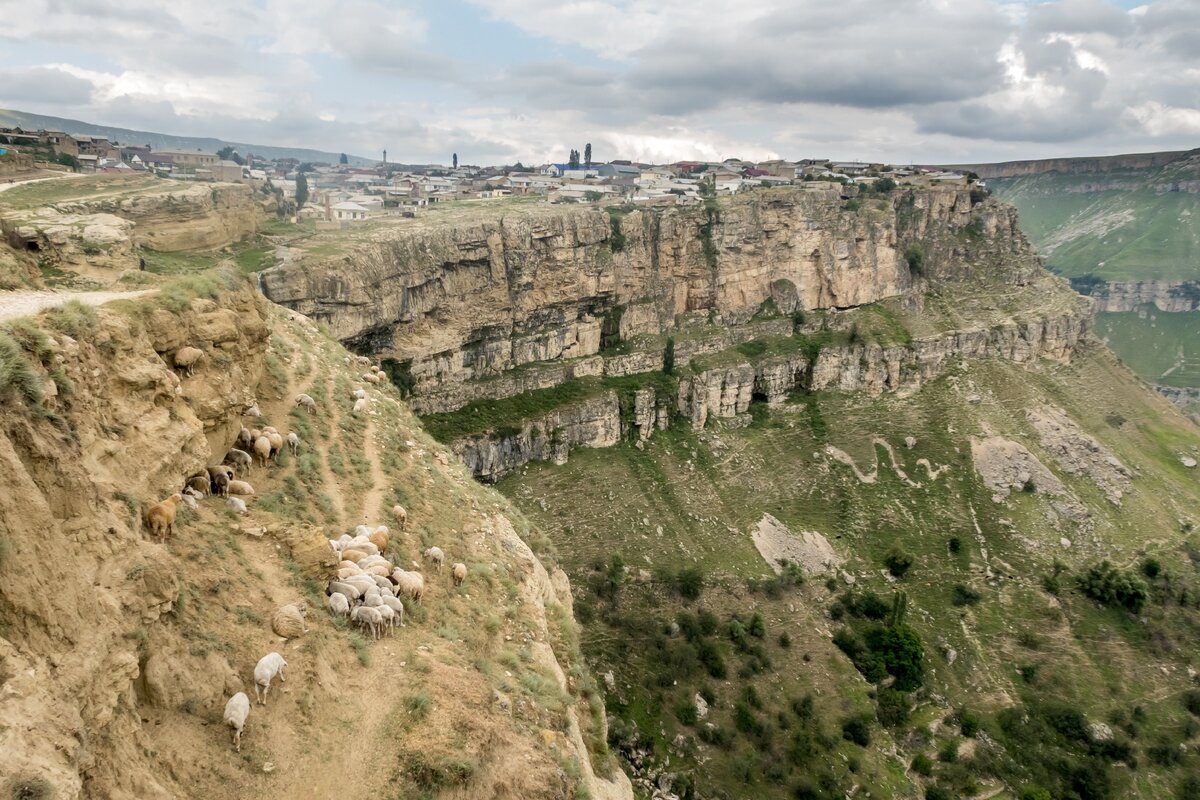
x,y
654,80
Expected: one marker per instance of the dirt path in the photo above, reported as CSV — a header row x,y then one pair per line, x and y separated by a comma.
x,y
24,304
373,502
4,187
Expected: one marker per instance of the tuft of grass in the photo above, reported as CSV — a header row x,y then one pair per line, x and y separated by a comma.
x,y
74,318
362,648
17,373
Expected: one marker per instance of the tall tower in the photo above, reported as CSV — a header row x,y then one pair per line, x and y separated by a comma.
x,y
385,156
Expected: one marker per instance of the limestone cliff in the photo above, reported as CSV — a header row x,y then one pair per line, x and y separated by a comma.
x,y
1169,296
106,231
467,300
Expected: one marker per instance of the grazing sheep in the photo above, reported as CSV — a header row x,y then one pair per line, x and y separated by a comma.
x,y
400,515
188,357
268,667
458,572
360,394
189,500
220,484
339,604
363,360
240,487
244,438
380,540
309,404
388,616
161,517
361,406
353,556
253,411
373,598
269,429
276,440
220,469
239,459
237,504
262,449
236,712
397,606
288,621
409,583
254,434
368,618
293,441
362,530
385,585
201,483
349,590
435,555
371,377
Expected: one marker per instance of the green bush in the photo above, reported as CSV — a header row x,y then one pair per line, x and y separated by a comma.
x,y
1114,587
689,582
916,260
892,708
685,712
963,595
1191,701
922,765
857,729
898,561
899,649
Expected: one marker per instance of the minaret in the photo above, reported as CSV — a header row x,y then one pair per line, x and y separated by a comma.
x,y
385,156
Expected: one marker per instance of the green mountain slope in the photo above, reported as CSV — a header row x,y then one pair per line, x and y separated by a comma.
x,y
1120,225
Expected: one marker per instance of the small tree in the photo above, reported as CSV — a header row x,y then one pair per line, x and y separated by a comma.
x,y
573,160
898,561
587,154
301,190
454,160
342,159
669,356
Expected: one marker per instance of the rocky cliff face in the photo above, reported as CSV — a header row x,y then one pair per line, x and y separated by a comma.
x,y
1075,166
106,232
469,301
1169,296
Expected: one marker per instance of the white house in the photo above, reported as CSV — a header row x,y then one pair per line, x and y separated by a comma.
x,y
349,212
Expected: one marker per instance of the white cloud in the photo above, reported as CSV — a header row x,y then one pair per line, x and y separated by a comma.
x,y
919,80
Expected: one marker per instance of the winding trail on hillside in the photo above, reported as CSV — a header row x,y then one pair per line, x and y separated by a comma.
x,y
24,304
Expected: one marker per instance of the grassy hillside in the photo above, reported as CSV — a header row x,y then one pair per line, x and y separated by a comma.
x,y
1162,348
1018,666
1128,224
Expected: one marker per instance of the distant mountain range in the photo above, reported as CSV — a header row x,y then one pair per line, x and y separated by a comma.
x,y
163,141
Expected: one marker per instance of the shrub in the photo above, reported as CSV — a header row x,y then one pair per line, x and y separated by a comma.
x,y
938,793
954,545
968,723
1151,568
963,595
1189,789
1035,793
899,649
1115,587
689,582
916,260
891,707
785,641
857,729
685,712
1191,701
745,720
758,626
897,561
922,765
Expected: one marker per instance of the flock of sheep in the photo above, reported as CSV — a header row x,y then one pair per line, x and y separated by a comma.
x,y
367,588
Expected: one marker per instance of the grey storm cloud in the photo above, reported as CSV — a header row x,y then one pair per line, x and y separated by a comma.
x,y
44,85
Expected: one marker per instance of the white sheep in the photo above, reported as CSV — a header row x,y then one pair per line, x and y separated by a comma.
x,y
236,712
371,377
361,405
368,617
253,411
409,583
359,393
400,515
363,360
435,555
244,438
237,504
458,572
397,607
262,449
309,404
268,667
187,357
351,591
362,530
339,604
293,441
239,487
189,499
388,616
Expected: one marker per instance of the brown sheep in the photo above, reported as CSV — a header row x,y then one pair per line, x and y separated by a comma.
x,y
161,517
201,483
288,621
262,449
379,539
240,487
400,514
276,440
459,573
188,357
353,555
